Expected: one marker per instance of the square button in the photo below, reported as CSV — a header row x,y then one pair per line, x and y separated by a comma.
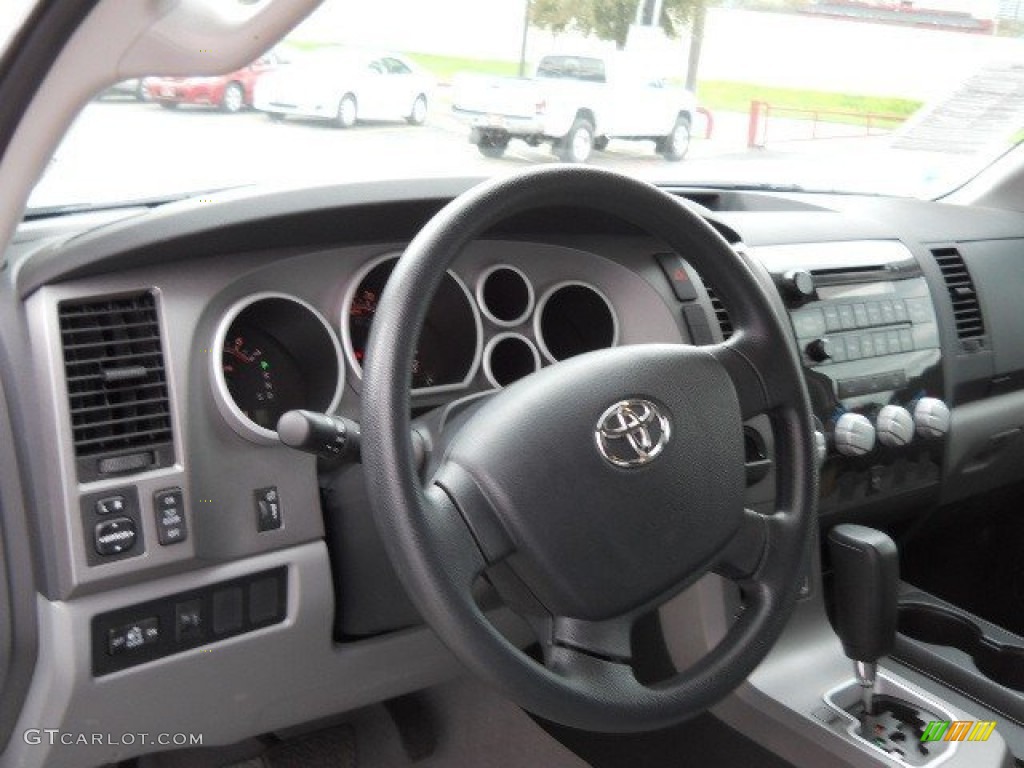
x,y
188,621
906,340
268,509
264,601
853,348
847,318
900,310
874,313
831,319
227,610
881,342
867,346
112,505
888,313
860,314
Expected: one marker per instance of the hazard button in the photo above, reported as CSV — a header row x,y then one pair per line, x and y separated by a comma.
x,y
678,274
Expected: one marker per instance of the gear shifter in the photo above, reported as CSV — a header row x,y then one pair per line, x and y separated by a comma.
x,y
866,569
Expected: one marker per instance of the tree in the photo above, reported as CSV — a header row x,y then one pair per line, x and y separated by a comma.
x,y
609,19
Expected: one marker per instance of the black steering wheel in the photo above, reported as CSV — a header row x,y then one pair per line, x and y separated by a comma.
x,y
599,487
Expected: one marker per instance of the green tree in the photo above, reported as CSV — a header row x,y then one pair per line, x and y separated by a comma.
x,y
608,19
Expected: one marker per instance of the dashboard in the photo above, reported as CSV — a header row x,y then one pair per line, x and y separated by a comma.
x,y
161,347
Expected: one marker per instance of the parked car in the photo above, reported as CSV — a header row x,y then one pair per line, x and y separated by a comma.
x,y
577,103
134,88
231,92
346,86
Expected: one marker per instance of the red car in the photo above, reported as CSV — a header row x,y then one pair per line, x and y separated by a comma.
x,y
231,92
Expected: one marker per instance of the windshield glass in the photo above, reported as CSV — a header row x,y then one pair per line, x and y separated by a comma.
x,y
877,96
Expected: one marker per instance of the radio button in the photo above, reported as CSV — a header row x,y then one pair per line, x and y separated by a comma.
x,y
809,323
853,348
900,310
919,310
846,317
881,341
860,314
831,318
888,313
867,346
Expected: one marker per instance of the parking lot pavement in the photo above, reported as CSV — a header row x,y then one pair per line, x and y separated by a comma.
x,y
127,150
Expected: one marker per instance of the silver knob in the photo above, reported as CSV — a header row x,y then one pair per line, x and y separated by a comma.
x,y
854,435
931,416
895,426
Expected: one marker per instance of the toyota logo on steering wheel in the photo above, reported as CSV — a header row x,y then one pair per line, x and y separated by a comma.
x,y
632,433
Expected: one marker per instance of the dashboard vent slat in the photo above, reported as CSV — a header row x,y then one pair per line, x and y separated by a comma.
x,y
970,325
116,380
724,323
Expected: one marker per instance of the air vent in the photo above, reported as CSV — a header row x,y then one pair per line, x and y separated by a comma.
x,y
724,323
117,385
970,326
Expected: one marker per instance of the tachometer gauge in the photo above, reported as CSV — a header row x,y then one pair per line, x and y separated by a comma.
x,y
263,379
274,353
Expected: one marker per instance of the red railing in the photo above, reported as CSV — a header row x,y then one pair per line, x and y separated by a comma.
x,y
821,123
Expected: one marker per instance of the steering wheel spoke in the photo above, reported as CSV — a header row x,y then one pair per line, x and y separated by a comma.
x,y
610,639
749,362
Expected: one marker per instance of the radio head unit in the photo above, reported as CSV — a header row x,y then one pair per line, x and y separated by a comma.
x,y
865,326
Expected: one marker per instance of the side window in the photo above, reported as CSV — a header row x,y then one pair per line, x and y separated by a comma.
x,y
551,67
377,67
396,67
591,70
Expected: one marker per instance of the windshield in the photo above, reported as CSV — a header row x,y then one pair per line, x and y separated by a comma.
x,y
871,96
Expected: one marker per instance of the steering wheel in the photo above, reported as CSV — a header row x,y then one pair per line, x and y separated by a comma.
x,y
595,489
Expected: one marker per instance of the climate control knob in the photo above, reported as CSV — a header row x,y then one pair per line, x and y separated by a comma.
x,y
854,435
895,426
931,416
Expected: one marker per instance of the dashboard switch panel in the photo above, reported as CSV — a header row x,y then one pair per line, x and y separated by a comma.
x,y
141,633
169,507
112,524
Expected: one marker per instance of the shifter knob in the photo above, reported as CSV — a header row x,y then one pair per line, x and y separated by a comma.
x,y
867,573
866,569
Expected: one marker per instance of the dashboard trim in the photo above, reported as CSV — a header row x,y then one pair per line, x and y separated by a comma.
x,y
346,336
530,302
497,339
232,414
538,313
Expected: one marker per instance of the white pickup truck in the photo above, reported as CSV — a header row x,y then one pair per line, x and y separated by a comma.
x,y
577,103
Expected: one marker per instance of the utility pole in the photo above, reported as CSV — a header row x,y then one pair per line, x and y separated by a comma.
x,y
696,42
526,32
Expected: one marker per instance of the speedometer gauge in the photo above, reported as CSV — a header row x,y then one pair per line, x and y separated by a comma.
x,y
448,351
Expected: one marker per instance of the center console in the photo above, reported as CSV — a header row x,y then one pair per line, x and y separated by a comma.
x,y
866,328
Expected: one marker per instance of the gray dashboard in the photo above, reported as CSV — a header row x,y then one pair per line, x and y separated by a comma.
x,y
200,262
